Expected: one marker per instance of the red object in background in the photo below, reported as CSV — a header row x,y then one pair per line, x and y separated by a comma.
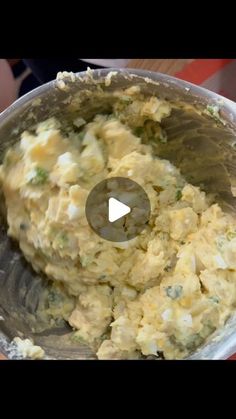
x,y
198,71
218,75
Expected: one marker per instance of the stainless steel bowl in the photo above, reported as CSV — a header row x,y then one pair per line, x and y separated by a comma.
x,y
202,148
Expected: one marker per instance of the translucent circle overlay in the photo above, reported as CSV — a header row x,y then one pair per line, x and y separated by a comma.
x,y
127,192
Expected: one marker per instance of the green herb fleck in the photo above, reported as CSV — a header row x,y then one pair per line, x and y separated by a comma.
x,y
54,297
77,338
207,329
194,341
178,195
138,131
102,277
7,160
62,240
213,110
78,122
40,176
157,188
104,337
81,135
174,291
163,137
174,341
231,235
182,242
210,109
167,268
126,99
215,299
111,116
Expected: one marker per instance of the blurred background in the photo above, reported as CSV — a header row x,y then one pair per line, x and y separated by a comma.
x,y
19,76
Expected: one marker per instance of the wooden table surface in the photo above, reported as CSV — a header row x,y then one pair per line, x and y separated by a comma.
x,y
168,66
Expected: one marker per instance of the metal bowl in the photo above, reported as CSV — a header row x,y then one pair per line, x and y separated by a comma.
x,y
203,148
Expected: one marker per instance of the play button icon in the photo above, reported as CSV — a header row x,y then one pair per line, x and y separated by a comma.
x,y
117,209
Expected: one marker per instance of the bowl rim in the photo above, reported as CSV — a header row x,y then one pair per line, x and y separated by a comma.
x,y
227,347
146,75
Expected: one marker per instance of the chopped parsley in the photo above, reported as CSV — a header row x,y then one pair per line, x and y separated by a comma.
x,y
194,341
112,115
163,137
85,260
178,195
101,277
126,99
174,291
39,177
81,135
213,110
231,235
104,337
78,122
220,241
157,188
7,160
138,131
62,240
215,299
77,338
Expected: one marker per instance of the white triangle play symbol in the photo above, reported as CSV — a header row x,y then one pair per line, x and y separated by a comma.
x,y
116,209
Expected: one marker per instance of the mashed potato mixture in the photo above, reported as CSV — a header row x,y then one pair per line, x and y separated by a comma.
x,y
162,293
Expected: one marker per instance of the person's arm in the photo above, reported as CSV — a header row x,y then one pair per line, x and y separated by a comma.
x,y
8,89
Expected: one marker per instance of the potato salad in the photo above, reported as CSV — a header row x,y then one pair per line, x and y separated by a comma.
x,y
160,294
